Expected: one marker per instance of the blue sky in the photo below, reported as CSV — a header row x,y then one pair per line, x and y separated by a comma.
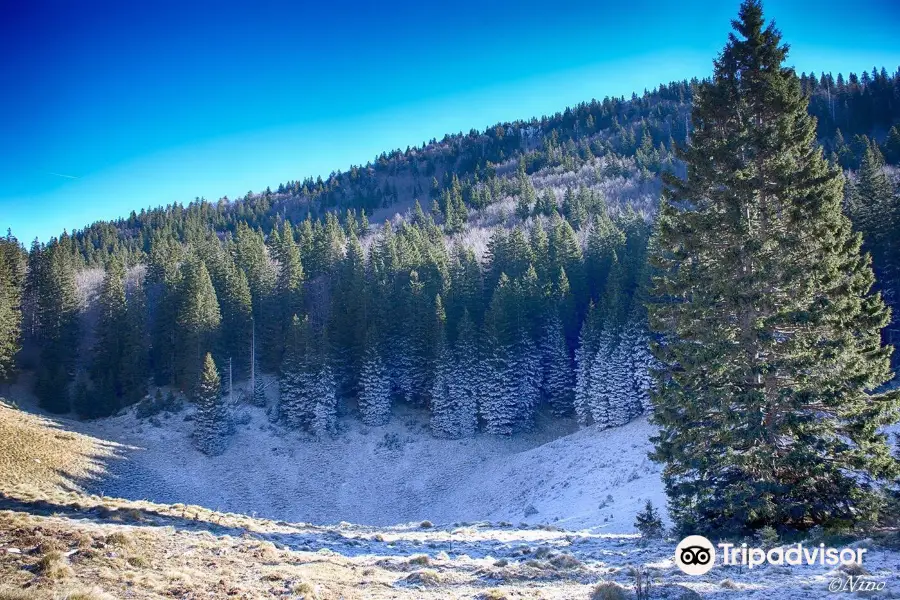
x,y
113,106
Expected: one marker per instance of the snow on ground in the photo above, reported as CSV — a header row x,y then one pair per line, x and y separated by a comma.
x,y
503,508
393,474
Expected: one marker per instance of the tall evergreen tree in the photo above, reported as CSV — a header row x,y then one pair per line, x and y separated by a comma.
x,y
112,356
347,319
515,359
308,388
253,257
558,381
58,317
236,303
588,344
375,384
443,413
135,361
198,318
771,345
288,296
12,282
163,280
211,420
466,387
297,376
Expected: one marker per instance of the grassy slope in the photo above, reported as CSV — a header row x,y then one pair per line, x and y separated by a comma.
x,y
36,453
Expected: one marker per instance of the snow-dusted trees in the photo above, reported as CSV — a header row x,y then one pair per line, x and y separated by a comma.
x,y
636,341
613,360
443,413
467,385
375,385
584,362
613,398
515,359
308,389
211,420
558,382
454,403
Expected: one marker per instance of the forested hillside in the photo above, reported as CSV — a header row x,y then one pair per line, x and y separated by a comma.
x,y
486,276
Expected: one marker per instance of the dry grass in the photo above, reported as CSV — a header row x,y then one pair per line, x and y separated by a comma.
x,y
608,591
146,561
54,565
34,451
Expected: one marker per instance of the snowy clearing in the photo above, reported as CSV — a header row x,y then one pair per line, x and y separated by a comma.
x,y
393,474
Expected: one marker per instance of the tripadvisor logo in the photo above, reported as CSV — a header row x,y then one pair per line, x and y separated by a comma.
x,y
696,555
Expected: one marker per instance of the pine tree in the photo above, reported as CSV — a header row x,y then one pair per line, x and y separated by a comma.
x,y
163,280
308,388
288,296
135,361
297,377
546,203
603,240
617,390
877,213
771,341
588,344
892,146
573,209
443,413
257,395
566,255
515,359
557,384
526,197
252,256
466,386
324,415
347,320
418,355
211,420
648,523
58,318
197,317
12,282
375,385
636,340
237,319
109,352
601,387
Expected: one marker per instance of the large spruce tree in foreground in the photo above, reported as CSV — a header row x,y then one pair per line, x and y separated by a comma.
x,y
770,334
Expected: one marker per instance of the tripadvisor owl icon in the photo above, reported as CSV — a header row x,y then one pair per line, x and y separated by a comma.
x,y
695,555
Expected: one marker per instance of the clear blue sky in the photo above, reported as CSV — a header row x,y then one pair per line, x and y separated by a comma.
x,y
112,106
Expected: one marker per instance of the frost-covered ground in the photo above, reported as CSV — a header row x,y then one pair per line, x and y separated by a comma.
x,y
546,514
393,474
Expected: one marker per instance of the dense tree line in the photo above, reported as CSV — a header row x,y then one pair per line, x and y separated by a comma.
x,y
480,341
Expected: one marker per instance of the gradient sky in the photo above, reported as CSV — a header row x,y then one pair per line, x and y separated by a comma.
x,y
112,106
